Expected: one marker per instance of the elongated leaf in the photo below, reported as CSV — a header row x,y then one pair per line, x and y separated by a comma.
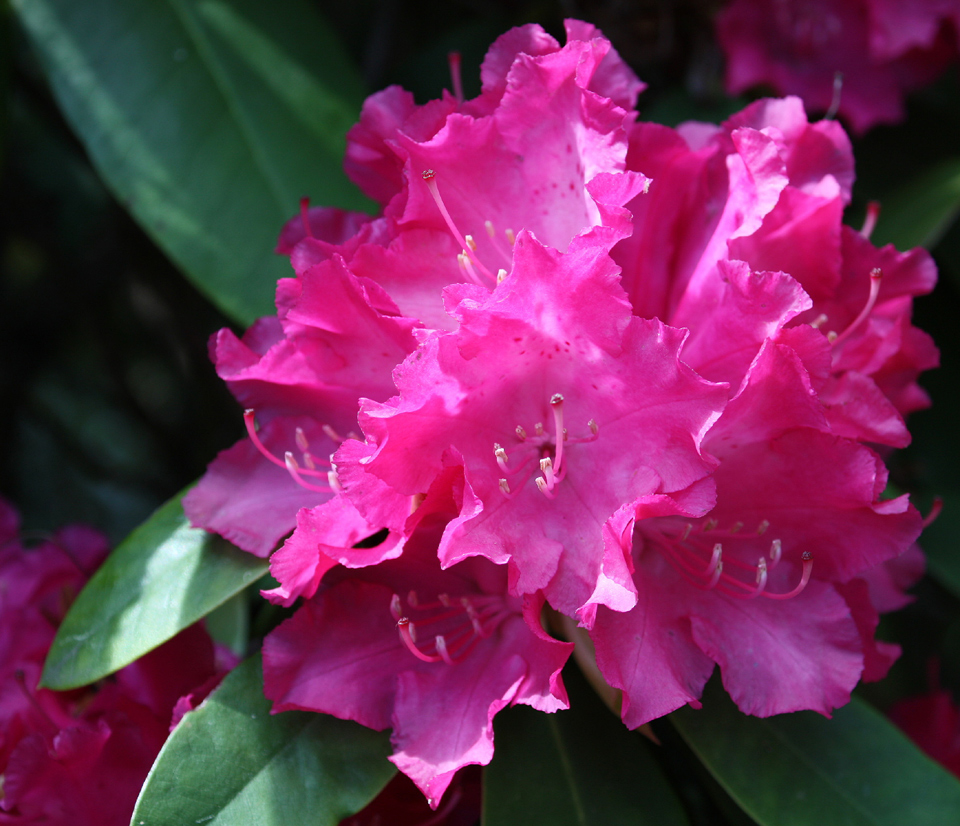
x,y
578,767
209,119
232,763
920,212
797,769
160,579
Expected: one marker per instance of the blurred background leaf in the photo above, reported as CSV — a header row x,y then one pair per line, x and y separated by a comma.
x,y
208,120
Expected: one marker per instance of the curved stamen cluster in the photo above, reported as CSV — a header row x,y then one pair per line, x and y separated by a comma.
x,y
552,467
456,624
835,338
467,259
290,463
698,556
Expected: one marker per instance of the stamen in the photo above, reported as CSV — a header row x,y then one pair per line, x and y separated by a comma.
x,y
395,607
870,220
686,532
709,525
762,527
504,487
470,242
466,265
407,636
490,229
594,427
440,642
511,237
473,615
429,177
521,433
294,470
501,455
249,421
546,468
876,275
807,558
835,101
935,509
301,440
761,579
501,274
736,527
336,437
544,488
776,549
305,217
819,321
333,480
538,428
453,58
556,402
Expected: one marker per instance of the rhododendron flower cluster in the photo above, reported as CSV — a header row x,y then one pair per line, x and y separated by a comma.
x,y
863,56
79,758
581,367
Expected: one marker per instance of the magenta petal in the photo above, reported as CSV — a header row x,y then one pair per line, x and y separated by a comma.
x,y
781,656
308,666
878,656
648,652
247,499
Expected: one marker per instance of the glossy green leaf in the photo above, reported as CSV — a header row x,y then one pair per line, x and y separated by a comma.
x,y
232,763
209,120
578,767
857,769
160,579
922,210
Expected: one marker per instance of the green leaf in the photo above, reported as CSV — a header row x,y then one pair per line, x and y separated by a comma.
x,y
857,769
160,579
922,210
232,763
579,767
229,624
208,119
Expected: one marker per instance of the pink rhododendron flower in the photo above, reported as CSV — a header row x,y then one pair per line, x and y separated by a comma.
x,y
629,372
78,758
465,649
883,49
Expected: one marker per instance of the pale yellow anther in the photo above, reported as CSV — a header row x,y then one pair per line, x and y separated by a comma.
x,y
762,527
489,227
510,236
521,433
501,274
470,242
538,428
594,427
504,487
